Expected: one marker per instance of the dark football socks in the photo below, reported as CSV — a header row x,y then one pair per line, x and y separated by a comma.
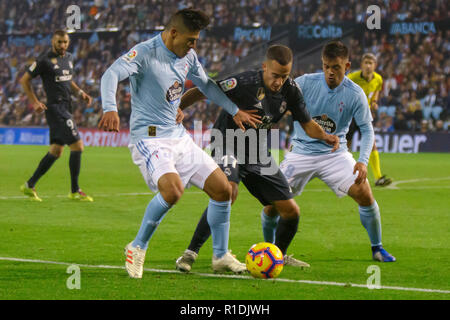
x,y
74,165
45,164
286,230
201,234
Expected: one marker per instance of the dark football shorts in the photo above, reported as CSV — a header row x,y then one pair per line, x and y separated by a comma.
x,y
265,188
63,129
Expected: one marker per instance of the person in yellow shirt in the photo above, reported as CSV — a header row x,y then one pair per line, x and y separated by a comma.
x,y
372,83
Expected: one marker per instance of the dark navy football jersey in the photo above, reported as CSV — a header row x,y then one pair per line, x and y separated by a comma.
x,y
56,73
247,91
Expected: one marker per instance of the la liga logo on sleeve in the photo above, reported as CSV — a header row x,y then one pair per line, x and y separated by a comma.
x,y
130,55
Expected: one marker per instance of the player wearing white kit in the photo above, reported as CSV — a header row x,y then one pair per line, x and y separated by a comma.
x,y
333,100
166,155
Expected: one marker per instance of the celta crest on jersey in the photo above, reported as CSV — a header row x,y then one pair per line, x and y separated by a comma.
x,y
174,92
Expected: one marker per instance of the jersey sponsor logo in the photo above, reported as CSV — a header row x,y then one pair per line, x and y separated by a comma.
x,y
228,84
33,66
283,107
326,123
63,78
260,94
174,92
56,67
130,55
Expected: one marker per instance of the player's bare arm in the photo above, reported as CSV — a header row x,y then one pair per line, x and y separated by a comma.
x,y
240,118
190,97
374,104
315,131
25,81
79,92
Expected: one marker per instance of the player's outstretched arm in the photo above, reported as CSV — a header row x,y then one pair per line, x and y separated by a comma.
x,y
315,131
25,81
190,97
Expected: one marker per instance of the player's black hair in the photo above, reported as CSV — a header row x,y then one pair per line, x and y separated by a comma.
x,y
192,19
60,33
279,53
335,49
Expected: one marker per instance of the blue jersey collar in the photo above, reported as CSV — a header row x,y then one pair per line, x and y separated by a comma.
x,y
338,88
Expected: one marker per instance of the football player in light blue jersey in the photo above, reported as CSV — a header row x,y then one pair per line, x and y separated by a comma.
x,y
168,158
333,100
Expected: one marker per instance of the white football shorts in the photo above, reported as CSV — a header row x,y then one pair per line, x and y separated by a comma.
x,y
335,169
158,156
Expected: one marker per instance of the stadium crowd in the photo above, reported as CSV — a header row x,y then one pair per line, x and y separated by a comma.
x,y
415,68
34,16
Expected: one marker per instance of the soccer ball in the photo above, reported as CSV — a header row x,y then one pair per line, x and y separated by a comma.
x,y
264,260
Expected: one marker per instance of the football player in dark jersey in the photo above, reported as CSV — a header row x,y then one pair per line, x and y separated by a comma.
x,y
55,67
271,92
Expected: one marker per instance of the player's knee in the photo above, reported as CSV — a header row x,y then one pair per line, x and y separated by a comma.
x,y
172,194
223,192
289,209
56,152
363,195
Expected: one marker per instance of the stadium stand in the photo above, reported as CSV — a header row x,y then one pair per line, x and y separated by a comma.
x,y
415,67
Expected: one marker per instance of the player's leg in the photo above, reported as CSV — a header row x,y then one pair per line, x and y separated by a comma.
x,y
218,216
374,162
297,170
281,224
337,172
155,160
170,189
201,234
76,150
369,214
28,188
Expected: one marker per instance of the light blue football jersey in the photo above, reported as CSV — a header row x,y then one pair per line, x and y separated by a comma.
x,y
157,77
332,109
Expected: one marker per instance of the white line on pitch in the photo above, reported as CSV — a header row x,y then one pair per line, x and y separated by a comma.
x,y
395,183
322,283
130,194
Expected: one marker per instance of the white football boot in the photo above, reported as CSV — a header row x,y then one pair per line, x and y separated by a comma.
x,y
185,262
228,263
289,260
134,262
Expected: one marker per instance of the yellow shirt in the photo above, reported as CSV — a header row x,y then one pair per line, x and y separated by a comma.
x,y
374,85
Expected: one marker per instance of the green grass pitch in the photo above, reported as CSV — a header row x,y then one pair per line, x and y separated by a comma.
x,y
415,218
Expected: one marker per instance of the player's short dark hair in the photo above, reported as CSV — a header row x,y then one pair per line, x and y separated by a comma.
x,y
335,49
60,33
192,19
280,53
